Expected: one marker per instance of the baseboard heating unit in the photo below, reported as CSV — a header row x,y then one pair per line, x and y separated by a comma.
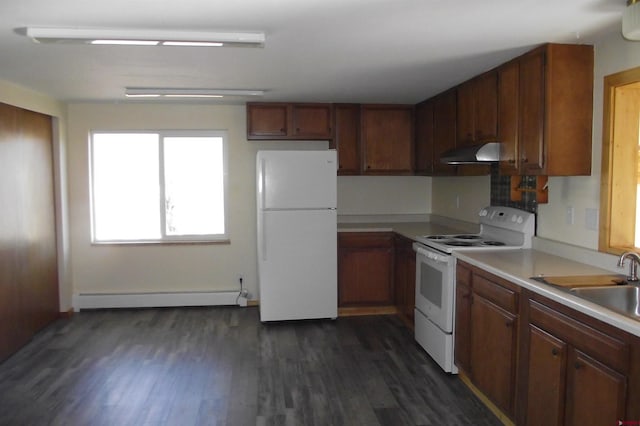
x,y
155,300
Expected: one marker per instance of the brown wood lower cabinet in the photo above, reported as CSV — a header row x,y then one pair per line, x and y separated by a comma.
x,y
405,279
365,269
486,334
540,362
576,373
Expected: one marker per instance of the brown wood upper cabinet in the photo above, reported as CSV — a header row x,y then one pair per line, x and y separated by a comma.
x,y
477,108
477,116
387,139
444,131
545,111
346,138
424,144
279,121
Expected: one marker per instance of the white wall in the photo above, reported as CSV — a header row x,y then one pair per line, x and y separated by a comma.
x,y
204,267
612,54
31,100
384,195
460,197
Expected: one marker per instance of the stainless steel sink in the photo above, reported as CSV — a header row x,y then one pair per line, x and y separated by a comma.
x,y
624,299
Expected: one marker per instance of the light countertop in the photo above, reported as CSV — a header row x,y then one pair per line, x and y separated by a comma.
x,y
406,229
518,266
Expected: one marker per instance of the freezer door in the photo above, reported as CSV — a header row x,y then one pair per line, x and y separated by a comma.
x,y
297,265
296,179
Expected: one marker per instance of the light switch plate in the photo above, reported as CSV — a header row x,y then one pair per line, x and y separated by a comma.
x,y
591,219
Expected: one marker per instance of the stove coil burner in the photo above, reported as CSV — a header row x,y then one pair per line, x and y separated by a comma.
x,y
436,237
493,243
467,237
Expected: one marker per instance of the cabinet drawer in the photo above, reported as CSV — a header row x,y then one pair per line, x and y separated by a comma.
x,y
365,239
501,296
604,347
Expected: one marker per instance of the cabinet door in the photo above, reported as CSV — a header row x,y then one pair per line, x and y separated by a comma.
x,y
493,350
486,107
405,279
546,378
312,121
365,269
508,95
463,328
267,121
465,117
346,139
424,138
595,393
387,139
531,113
444,131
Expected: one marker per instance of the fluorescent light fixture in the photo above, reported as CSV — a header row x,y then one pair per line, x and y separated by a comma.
x,y
143,37
133,92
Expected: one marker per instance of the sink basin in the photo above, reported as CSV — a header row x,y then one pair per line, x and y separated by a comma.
x,y
624,299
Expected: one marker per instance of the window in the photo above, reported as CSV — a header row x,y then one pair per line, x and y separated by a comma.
x,y
620,187
158,186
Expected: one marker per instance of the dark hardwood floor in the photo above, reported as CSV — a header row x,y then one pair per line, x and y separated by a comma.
x,y
221,366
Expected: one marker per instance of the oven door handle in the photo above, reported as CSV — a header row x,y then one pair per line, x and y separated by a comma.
x,y
431,255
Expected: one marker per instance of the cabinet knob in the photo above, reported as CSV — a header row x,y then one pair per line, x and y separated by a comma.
x,y
508,323
512,161
554,352
525,160
368,166
578,365
282,129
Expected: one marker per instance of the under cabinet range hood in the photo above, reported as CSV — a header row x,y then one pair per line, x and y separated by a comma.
x,y
488,152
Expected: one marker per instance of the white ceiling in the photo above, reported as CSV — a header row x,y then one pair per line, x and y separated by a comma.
x,y
395,51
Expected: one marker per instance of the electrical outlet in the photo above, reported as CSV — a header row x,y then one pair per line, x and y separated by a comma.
x,y
240,278
457,201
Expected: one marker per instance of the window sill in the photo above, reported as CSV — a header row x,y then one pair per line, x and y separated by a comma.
x,y
161,242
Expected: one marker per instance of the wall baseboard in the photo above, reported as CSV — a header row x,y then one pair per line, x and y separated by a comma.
x,y
153,300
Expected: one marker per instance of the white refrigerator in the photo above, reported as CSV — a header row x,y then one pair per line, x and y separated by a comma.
x,y
297,235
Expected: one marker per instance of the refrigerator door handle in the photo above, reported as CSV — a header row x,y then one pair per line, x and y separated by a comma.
x,y
263,182
264,236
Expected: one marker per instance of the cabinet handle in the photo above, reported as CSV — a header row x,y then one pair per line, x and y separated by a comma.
x,y
554,352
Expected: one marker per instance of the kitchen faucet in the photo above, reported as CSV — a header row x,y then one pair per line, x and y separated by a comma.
x,y
634,261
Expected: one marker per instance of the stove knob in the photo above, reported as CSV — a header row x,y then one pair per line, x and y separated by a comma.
x,y
520,219
514,218
483,212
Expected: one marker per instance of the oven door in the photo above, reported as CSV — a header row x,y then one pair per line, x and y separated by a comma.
x,y
435,286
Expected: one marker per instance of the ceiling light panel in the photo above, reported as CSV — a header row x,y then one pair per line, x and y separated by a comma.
x,y
144,37
132,92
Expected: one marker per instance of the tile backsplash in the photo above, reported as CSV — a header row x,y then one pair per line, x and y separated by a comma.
x,y
501,191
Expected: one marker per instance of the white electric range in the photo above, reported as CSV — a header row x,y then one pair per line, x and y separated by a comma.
x,y
501,228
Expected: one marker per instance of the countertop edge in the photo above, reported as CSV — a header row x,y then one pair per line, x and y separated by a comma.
x,y
574,302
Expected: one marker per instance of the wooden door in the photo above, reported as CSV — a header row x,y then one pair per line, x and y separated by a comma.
x,y
28,258
444,131
531,113
546,379
387,139
346,139
596,394
508,117
424,138
267,121
312,121
493,350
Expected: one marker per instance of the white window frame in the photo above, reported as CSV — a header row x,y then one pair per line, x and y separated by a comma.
x,y
209,238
